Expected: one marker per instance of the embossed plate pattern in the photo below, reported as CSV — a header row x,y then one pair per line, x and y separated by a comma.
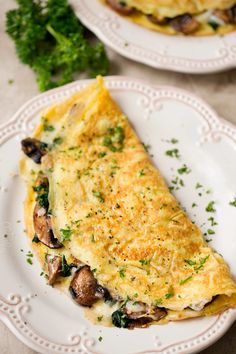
x,y
178,53
49,321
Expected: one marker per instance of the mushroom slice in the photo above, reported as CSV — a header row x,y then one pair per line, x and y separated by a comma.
x,y
232,14
102,292
227,16
222,15
184,23
54,267
141,322
34,149
121,7
83,287
43,229
136,310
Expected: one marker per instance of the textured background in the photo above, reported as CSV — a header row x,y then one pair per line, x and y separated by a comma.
x,y
219,90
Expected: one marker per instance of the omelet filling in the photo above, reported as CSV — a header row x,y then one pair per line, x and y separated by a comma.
x,y
209,21
105,226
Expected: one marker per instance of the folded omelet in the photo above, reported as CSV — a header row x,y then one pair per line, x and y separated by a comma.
x,y
196,17
105,226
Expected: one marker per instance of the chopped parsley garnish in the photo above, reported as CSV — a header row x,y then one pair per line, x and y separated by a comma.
x,y
198,185
184,169
213,24
169,295
202,262
122,272
190,262
35,239
99,318
158,302
65,268
99,196
174,141
141,173
233,203
29,257
66,234
42,195
102,154
212,220
210,207
58,140
47,127
146,147
194,205
173,153
115,139
144,261
120,319
29,260
186,280
100,339
210,232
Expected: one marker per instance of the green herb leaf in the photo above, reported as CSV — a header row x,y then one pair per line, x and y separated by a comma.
x,y
121,272
210,232
56,50
58,140
173,153
183,170
233,203
210,207
66,234
99,196
102,154
141,173
120,319
212,220
65,268
190,262
144,261
186,280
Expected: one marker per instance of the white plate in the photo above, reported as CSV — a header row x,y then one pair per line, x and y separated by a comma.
x,y
49,321
178,53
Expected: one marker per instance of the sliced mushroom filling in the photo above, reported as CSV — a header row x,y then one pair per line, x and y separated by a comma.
x,y
34,149
41,217
84,287
137,314
57,266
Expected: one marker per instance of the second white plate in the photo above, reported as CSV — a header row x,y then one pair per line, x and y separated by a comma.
x,y
178,53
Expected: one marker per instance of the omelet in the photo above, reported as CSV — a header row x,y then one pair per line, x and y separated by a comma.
x,y
195,17
106,228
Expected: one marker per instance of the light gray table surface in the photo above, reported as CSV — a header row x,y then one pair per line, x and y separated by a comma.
x,y
219,90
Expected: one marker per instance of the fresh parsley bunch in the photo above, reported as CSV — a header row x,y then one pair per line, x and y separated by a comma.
x,y
52,41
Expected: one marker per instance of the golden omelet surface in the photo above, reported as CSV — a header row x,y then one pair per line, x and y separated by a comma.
x,y
121,219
